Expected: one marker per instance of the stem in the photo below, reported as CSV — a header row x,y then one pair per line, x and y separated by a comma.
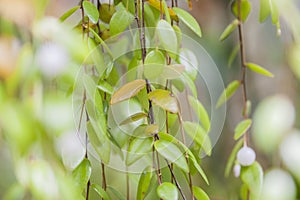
x,y
127,185
243,69
83,102
88,190
82,19
160,9
103,176
186,155
159,178
175,180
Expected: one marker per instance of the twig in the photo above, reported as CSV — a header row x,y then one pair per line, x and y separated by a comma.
x,y
243,68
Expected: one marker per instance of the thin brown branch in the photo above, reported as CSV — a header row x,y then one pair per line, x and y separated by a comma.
x,y
243,68
104,185
175,180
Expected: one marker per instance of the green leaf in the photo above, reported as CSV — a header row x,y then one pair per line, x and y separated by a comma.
x,y
105,87
67,14
138,147
252,176
82,173
172,153
99,190
90,87
120,21
99,141
144,183
134,117
245,9
258,69
166,11
127,91
167,36
199,135
172,139
228,30
274,12
154,64
106,12
233,55
190,83
232,157
265,10
242,128
164,99
172,71
228,92
91,11
200,111
178,34
116,192
190,62
167,191
188,20
200,194
146,130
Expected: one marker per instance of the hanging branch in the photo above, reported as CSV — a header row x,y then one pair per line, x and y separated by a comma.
x,y
243,69
84,97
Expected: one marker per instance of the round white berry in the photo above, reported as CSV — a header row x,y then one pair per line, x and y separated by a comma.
x,y
237,170
52,59
246,156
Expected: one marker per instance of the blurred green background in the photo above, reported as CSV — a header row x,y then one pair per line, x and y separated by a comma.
x,y
38,142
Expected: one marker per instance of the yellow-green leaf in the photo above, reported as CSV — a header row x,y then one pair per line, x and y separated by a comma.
x,y
167,191
258,69
200,194
106,11
91,11
228,30
242,128
200,111
172,153
228,92
127,91
156,4
164,99
265,10
245,9
274,12
67,14
134,117
233,55
188,20
199,135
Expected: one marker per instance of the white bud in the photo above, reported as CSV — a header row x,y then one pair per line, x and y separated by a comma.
x,y
52,59
246,156
237,170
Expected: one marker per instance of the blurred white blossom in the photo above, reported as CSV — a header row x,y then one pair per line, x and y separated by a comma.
x,y
52,59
